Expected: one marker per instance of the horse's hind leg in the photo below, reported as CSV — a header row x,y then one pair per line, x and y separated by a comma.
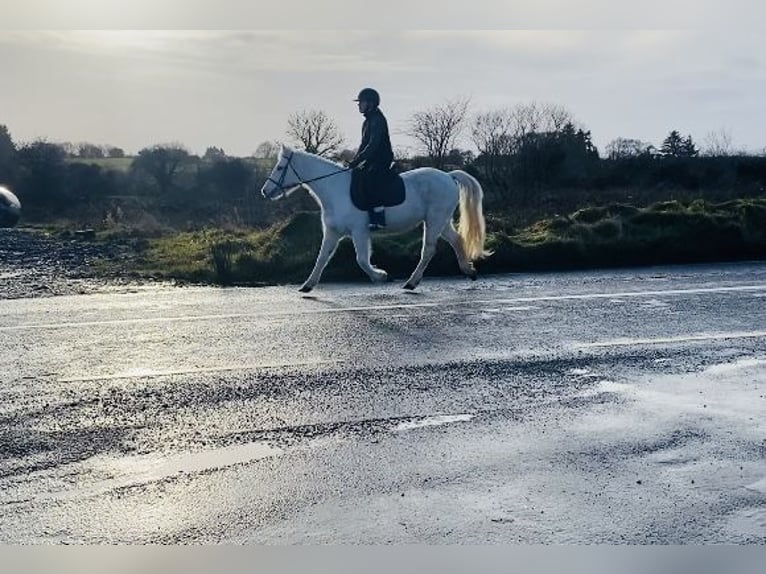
x,y
430,237
363,251
451,236
329,243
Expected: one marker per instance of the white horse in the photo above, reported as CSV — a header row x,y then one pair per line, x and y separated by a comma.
x,y
431,196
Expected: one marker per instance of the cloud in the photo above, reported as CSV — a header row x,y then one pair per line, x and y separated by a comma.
x,y
236,88
223,51
391,15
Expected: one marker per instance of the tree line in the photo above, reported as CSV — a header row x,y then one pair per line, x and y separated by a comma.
x,y
537,154
525,155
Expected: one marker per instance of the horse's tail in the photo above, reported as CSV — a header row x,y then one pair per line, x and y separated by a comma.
x,y
471,227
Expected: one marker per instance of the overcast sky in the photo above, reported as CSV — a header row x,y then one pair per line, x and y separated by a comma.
x,y
235,89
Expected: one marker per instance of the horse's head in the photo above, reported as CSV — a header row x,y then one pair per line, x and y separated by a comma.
x,y
283,178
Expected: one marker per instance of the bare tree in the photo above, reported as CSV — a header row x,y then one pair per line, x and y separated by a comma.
x,y
536,117
315,131
497,132
717,143
491,131
621,148
555,117
438,128
526,119
267,150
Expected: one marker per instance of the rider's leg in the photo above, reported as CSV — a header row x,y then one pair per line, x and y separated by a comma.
x,y
377,218
373,177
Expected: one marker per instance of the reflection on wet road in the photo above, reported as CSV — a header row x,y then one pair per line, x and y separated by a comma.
x,y
610,407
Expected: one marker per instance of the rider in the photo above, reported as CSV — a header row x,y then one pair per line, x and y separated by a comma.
x,y
373,159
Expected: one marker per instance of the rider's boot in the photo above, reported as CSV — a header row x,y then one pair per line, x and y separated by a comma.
x,y
377,218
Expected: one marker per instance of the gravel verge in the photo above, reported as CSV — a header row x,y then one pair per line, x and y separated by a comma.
x,y
34,263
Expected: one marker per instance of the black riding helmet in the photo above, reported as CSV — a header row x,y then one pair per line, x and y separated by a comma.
x,y
369,95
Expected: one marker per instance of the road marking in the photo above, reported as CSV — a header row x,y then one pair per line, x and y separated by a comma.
x,y
669,292
261,316
149,373
72,324
680,339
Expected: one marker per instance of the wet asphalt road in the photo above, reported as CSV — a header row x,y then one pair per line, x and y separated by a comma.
x,y
601,407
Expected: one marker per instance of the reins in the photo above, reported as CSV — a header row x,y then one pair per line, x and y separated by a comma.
x,y
280,184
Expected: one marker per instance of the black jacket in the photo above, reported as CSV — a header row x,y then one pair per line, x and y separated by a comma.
x,y
375,148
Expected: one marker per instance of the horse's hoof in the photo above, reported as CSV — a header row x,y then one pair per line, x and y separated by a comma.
x,y
305,289
473,275
409,287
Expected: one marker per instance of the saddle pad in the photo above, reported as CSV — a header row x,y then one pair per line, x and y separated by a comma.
x,y
386,190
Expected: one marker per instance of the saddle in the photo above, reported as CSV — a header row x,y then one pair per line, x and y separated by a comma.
x,y
381,189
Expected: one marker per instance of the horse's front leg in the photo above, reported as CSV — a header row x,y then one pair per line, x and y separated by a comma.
x,y
363,249
329,243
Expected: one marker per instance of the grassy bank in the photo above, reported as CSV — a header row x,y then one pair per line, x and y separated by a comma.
x,y
607,236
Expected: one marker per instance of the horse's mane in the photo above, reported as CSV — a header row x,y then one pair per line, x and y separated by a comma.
x,y
328,162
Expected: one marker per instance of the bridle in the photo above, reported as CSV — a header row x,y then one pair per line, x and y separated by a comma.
x,y
280,183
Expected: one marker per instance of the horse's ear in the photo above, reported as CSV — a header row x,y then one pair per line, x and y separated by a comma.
x,y
284,149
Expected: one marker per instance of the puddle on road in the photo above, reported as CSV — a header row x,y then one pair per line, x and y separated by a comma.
x,y
153,467
578,372
748,523
604,386
759,486
432,422
654,304
737,365
10,275
102,474
583,372
722,400
697,338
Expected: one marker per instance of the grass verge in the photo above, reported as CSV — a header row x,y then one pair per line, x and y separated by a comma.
x,y
606,236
